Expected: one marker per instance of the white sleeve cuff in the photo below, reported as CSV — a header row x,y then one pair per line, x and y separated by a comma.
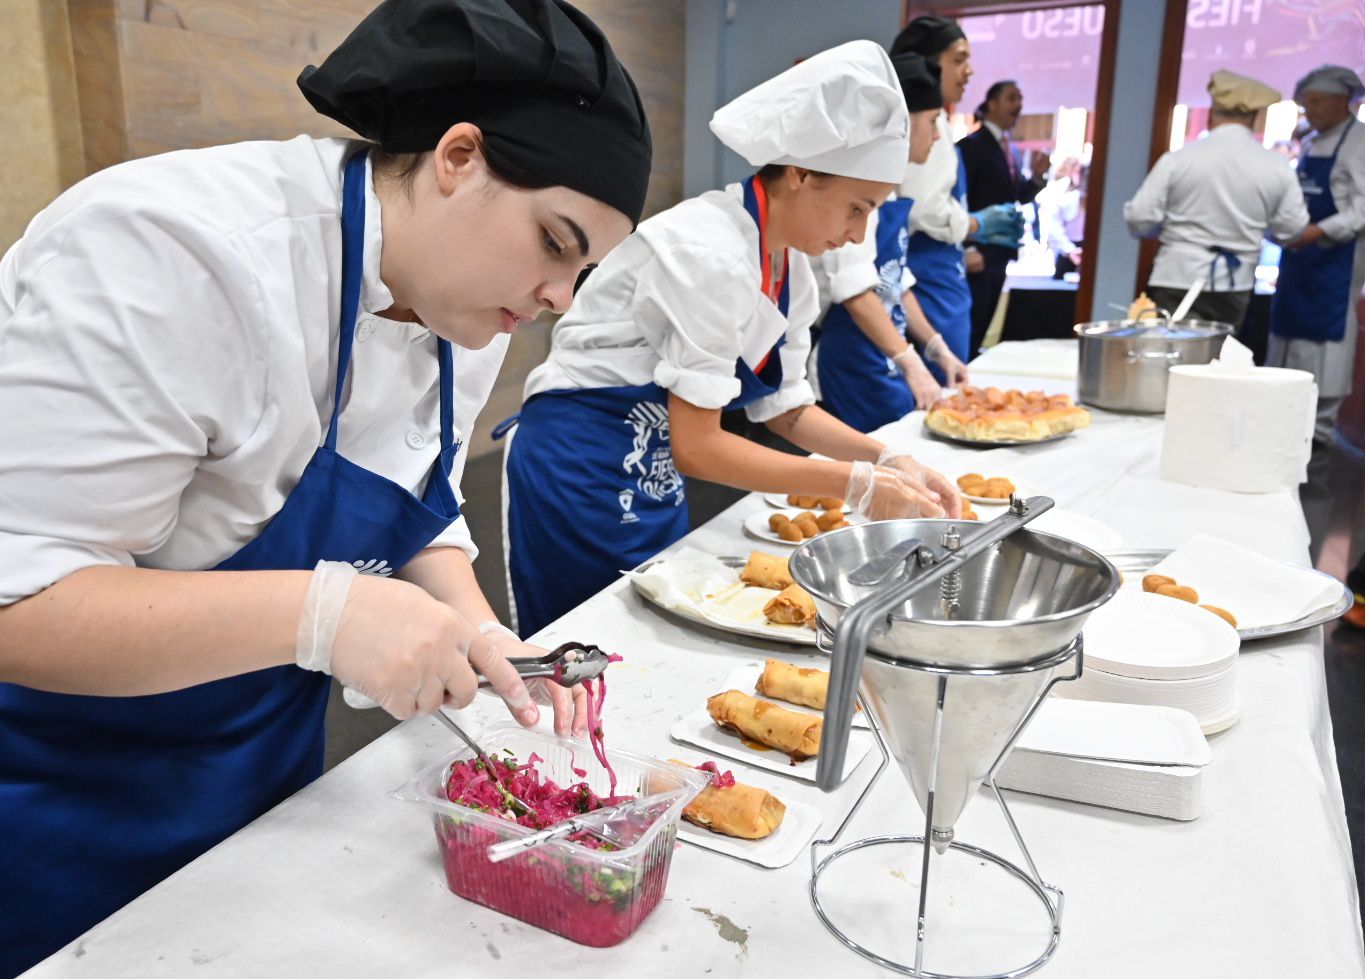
x,y
782,400
697,387
457,535
32,564
852,281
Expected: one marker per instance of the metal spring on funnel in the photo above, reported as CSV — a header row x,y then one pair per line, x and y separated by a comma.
x,y
950,588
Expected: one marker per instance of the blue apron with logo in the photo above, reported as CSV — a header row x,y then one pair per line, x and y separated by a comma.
x,y
1313,294
591,484
102,797
858,383
941,282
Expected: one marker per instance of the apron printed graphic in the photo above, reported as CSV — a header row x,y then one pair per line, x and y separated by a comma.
x,y
650,455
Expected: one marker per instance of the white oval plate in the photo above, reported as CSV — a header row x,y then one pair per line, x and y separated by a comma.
x,y
756,525
779,501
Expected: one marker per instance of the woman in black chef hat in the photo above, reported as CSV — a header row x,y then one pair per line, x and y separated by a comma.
x,y
244,373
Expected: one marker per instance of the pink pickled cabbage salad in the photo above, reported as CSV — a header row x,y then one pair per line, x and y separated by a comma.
x,y
470,785
596,701
719,779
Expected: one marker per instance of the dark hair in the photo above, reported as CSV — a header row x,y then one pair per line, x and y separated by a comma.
x,y
402,168
770,172
998,89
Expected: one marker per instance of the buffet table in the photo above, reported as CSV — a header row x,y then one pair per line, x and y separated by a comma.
x,y
341,880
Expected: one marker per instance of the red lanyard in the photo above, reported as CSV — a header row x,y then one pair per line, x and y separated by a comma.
x,y
770,289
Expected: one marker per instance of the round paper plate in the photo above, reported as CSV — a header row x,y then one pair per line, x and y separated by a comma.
x,y
1152,637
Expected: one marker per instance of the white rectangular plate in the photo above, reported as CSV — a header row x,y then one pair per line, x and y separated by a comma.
x,y
699,730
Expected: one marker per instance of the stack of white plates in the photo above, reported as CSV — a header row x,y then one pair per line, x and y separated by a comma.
x,y
1142,648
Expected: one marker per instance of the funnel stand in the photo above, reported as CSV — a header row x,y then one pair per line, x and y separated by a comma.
x,y
1052,897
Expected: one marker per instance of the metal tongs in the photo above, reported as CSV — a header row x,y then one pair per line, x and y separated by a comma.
x,y
567,665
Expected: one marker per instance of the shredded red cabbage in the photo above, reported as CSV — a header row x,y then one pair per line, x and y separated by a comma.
x,y
470,785
721,780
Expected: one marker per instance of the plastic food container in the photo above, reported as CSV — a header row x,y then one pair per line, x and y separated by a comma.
x,y
594,897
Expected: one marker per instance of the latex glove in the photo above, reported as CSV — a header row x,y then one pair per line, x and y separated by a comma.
x,y
884,494
921,383
936,485
954,370
570,704
999,224
390,642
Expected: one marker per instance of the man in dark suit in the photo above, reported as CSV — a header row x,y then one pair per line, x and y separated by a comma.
x,y
995,175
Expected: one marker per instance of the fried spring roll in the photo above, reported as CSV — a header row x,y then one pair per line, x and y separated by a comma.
x,y
791,606
766,571
794,684
739,810
795,735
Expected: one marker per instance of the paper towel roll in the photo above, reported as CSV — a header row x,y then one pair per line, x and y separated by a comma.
x,y
1234,426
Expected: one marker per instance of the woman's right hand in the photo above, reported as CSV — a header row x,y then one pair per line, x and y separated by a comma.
x,y
886,494
411,653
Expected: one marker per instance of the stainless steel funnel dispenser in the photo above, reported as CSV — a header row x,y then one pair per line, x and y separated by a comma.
x,y
954,633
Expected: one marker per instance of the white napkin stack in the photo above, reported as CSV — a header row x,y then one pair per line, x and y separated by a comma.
x,y
1136,758
1257,590
1054,359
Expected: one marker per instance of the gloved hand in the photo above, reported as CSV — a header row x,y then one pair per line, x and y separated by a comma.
x,y
917,378
954,370
884,494
935,484
999,224
391,642
570,704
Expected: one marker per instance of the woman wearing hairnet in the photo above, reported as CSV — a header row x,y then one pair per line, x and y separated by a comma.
x,y
708,307
237,365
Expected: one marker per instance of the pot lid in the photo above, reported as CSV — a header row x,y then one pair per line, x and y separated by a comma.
x,y
1149,330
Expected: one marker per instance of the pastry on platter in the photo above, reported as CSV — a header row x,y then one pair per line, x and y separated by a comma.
x,y
994,488
993,415
794,734
766,571
791,606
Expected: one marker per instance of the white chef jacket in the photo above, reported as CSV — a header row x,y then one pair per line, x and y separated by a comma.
x,y
168,346
1226,190
1061,216
930,184
676,304
1332,363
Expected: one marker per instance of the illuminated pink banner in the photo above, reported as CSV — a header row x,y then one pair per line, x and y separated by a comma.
x,y
1054,54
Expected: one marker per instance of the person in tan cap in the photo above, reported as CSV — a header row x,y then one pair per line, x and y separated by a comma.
x,y
1212,201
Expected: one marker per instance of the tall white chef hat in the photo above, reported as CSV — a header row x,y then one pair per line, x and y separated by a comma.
x,y
840,111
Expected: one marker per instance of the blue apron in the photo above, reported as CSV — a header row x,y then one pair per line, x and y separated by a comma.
x,y
858,383
1313,294
941,282
591,484
102,797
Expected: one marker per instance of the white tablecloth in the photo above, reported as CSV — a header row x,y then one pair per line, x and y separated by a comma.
x,y
342,881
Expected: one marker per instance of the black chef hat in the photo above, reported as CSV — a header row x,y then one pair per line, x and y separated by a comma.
x,y
919,79
927,35
536,76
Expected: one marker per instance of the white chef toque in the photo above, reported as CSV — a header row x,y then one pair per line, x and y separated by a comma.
x,y
840,112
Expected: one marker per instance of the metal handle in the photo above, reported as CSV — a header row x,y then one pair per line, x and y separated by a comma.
x,y
851,638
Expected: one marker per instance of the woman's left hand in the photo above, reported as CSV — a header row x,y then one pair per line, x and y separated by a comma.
x,y
954,370
570,704
905,464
